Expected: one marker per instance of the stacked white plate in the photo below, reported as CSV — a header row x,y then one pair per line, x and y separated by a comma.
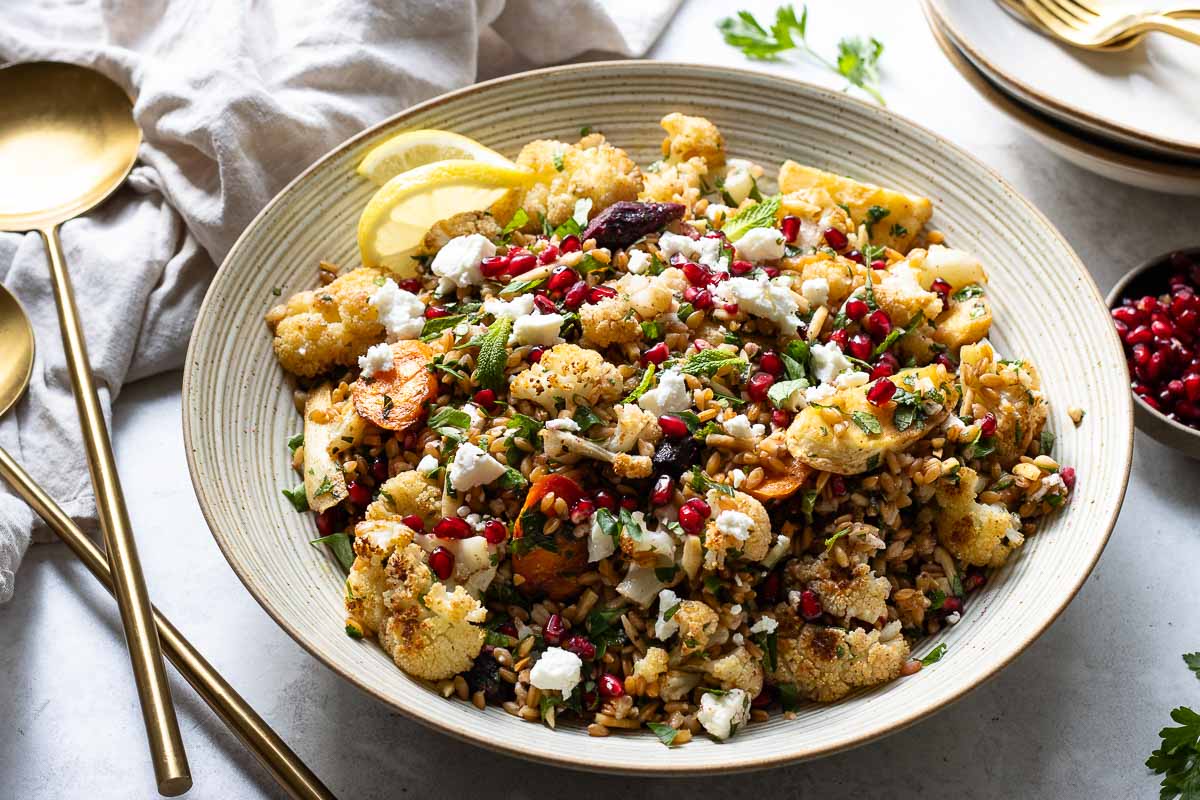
x,y
1132,116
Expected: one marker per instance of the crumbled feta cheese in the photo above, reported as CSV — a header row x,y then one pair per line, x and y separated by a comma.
x,y
583,207
815,291
848,380
717,212
377,359
556,670
457,263
737,477
472,467
666,628
400,312
639,262
427,465
827,362
519,306
764,625
600,544
721,715
761,244
821,394
735,609
735,524
738,639
778,550
563,424
639,585
538,329
739,427
478,418
670,396
953,617
739,182
762,298
706,250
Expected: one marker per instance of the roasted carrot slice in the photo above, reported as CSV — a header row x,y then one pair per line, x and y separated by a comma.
x,y
551,564
777,486
396,399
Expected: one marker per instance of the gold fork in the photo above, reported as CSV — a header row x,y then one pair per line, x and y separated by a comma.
x,y
1083,27
1018,10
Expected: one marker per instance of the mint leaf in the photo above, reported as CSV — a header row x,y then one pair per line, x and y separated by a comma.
x,y
643,386
708,362
518,221
665,733
294,442
297,498
779,393
342,545
493,355
759,215
1193,662
447,417
867,422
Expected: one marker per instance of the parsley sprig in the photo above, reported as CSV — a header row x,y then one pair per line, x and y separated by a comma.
x,y
857,59
1178,759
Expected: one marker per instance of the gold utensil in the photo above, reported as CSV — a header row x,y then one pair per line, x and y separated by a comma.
x,y
67,141
17,348
1018,10
1082,27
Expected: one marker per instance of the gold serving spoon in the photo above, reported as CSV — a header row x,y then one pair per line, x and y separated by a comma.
x,y
16,364
67,141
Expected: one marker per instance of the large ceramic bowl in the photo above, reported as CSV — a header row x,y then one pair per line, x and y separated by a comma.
x,y
238,412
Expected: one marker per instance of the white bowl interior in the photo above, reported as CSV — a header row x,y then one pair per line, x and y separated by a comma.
x,y
238,411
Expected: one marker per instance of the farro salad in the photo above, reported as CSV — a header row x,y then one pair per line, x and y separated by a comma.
x,y
658,448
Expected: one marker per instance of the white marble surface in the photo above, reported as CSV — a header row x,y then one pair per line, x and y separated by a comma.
x,y
1075,716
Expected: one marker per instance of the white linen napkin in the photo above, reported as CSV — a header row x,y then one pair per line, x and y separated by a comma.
x,y
234,99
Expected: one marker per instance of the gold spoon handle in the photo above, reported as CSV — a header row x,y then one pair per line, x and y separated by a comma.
x,y
271,751
162,728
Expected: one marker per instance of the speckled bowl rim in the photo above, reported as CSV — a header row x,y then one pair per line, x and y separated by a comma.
x,y
478,734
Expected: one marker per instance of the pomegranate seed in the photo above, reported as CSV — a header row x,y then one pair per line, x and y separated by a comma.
x,y
838,484
330,520
453,528
664,490
569,244
810,605
379,469
730,308
581,646
860,346
493,266
1158,360
535,353
553,630
771,272
1175,387
411,285
656,354
696,274
1068,477
544,304
763,699
952,605
673,427
1147,304
359,494
741,267
1127,314
879,324
486,398
703,300
441,561
576,295
836,239
879,264
840,337
508,629
1188,320
598,293
1141,354
942,287
604,499
561,279
946,361
768,591
582,510
1191,387
690,519
701,507
881,392
495,531
781,418
702,344
789,226
689,294
758,385
521,263
548,254
973,581
1162,329
770,362
889,361
415,522
856,257
629,502
987,425
856,309
610,685
435,312
1140,335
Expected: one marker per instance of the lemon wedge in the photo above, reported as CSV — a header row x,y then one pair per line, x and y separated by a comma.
x,y
413,149
397,218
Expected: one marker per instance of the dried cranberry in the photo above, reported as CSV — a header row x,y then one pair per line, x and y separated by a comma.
x,y
441,561
624,222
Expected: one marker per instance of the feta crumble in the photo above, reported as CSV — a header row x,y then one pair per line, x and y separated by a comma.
x,y
706,250
377,359
764,625
563,424
762,298
670,396
735,524
400,312
739,427
848,380
739,181
472,467
721,715
557,670
819,394
538,329
761,244
666,628
457,263
639,262
427,465
815,291
519,306
828,362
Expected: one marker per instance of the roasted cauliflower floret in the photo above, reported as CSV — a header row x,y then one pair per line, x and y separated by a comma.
x,y
650,296
1017,402
965,322
634,424
842,438
899,217
367,584
408,493
464,224
441,640
846,593
826,664
842,275
903,298
676,183
319,329
571,374
697,623
738,522
591,169
689,137
738,670
974,533
650,666
611,321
